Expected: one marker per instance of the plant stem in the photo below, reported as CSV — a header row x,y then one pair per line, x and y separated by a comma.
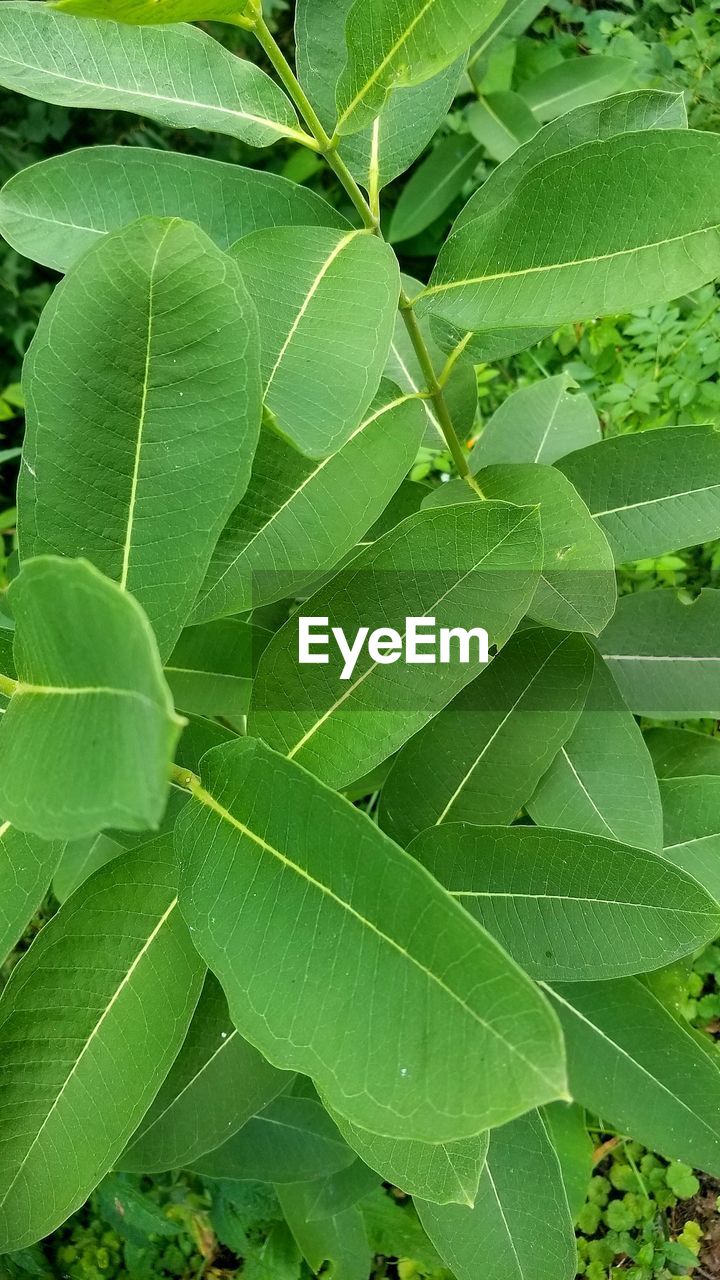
x,y
184,778
436,392
298,95
371,220
8,686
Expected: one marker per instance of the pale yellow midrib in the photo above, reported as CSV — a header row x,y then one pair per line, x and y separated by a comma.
x,y
205,798
361,679
285,130
342,244
362,91
561,266
93,1034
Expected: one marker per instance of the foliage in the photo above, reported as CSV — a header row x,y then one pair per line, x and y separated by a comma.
x,y
328,925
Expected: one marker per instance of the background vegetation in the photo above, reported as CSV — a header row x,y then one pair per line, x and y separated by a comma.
x,y
643,1219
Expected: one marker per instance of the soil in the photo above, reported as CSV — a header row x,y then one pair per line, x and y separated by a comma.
x,y
703,1209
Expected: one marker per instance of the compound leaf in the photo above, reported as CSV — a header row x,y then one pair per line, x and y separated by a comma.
x,y
308,878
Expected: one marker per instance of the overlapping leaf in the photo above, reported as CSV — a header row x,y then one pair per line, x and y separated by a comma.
x,y
481,758
210,670
298,518
290,1140
683,753
408,119
177,75
575,82
94,1014
567,906
307,879
403,42
520,1227
341,1240
651,492
433,186
539,423
56,210
647,1073
664,652
123,441
442,1172
475,561
501,122
327,303
691,813
217,1083
540,259
26,869
602,780
89,673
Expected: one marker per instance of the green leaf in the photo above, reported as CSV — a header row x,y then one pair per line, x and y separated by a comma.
x,y
477,561
602,780
146,12
577,589
27,865
94,1014
409,118
501,122
565,1124
56,210
340,1191
290,1140
404,43
89,672
539,423
323,344
481,758
520,1227
691,812
625,113
443,1172
80,858
341,1240
433,186
308,878
642,1069
664,653
512,20
567,906
539,259
681,753
129,433
460,390
575,82
210,670
217,1083
179,76
651,492
290,526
